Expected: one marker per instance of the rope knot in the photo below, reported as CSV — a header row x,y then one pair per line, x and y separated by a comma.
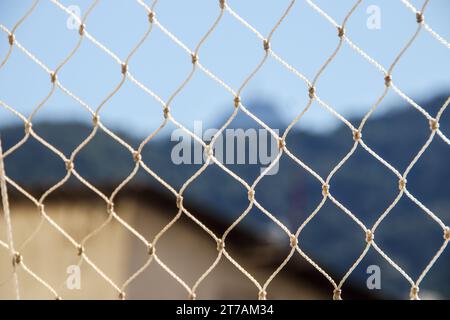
x,y
166,112
179,201
237,101
192,296
110,207
124,68
402,184
28,127
222,4
447,233
137,156
251,194
341,32
220,244
281,143
41,208
262,295
337,294
150,249
434,125
80,250
95,120
151,16
17,259
419,17
58,298
357,135
388,81
325,189
53,77
81,30
311,92
11,39
369,236
414,293
69,165
266,45
209,151
194,58
293,241
122,295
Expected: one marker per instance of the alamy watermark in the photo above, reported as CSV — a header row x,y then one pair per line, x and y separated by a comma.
x,y
374,279
374,19
73,280
232,146
73,23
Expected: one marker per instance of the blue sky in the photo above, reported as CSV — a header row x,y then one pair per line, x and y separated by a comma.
x,y
305,40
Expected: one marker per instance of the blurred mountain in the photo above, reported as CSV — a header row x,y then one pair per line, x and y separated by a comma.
x,y
363,184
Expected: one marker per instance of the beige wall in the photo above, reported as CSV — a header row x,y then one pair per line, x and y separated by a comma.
x,y
185,248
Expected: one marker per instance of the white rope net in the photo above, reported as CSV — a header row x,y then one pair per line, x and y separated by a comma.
x,y
311,89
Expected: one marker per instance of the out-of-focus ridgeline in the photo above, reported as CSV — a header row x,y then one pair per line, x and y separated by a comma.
x,y
364,185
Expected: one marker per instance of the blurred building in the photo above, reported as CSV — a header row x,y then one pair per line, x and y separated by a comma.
x,y
185,248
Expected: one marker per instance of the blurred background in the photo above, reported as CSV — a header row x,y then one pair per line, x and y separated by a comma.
x,y
351,85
